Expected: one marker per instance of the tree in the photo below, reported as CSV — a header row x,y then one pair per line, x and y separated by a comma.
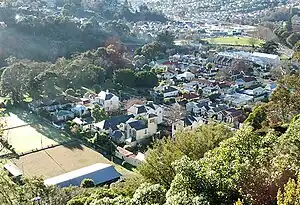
x,y
87,183
146,79
284,101
174,113
154,50
257,117
252,41
290,195
125,77
149,194
270,47
133,101
158,165
166,38
98,113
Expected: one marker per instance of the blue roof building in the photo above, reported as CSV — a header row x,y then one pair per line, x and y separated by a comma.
x,y
99,173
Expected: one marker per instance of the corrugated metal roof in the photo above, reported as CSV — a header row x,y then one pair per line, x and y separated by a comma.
x,y
99,173
13,169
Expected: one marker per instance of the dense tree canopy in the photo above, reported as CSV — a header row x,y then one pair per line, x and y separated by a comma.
x,y
158,167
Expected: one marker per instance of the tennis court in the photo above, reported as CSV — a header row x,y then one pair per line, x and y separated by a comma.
x,y
25,132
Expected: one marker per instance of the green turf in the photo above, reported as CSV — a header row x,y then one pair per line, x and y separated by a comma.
x,y
233,40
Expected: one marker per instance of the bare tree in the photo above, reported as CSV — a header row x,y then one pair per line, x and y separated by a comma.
x,y
252,41
174,113
132,101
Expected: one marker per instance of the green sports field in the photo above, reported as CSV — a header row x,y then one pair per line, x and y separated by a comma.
x,y
234,40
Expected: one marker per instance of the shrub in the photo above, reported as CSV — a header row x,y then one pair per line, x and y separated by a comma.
x,y
87,183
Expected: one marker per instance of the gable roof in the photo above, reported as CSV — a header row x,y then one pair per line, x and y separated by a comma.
x,y
249,78
219,108
106,95
140,109
234,112
169,89
138,125
113,122
99,173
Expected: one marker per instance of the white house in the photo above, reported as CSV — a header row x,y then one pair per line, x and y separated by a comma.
x,y
109,101
168,91
186,75
270,59
146,109
138,130
129,157
238,99
258,93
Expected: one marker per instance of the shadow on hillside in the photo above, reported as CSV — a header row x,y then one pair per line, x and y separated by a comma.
x,y
45,129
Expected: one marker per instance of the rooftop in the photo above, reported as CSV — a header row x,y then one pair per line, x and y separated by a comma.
x,y
99,173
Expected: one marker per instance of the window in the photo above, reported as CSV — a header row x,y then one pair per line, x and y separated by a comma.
x,y
152,121
145,131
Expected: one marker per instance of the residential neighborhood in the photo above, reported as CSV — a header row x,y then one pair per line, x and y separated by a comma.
x,y
148,102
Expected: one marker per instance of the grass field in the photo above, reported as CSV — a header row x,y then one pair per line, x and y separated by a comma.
x,y
234,40
61,159
26,132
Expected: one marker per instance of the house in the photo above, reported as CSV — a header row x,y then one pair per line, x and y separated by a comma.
x,y
80,110
226,87
138,130
168,91
209,90
99,173
270,87
233,115
62,115
129,157
190,96
267,59
171,73
238,99
296,23
111,124
51,105
199,108
246,81
258,93
146,109
193,121
117,136
186,76
215,111
109,101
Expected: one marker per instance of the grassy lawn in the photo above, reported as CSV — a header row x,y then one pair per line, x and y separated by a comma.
x,y
233,40
32,133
